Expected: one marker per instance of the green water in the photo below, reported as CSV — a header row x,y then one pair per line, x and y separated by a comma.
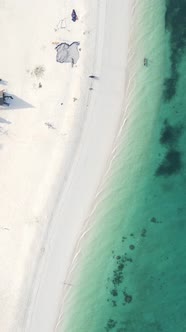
x,y
131,275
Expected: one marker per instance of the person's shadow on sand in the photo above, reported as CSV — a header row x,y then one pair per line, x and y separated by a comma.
x,y
13,102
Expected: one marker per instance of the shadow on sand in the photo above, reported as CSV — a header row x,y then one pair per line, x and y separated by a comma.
x,y
3,82
15,103
4,121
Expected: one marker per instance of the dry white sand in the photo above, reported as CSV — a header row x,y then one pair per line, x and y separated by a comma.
x,y
55,143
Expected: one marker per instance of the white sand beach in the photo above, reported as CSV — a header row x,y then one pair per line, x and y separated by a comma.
x,y
56,138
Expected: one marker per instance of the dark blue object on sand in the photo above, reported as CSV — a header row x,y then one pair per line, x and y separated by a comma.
x,y
74,15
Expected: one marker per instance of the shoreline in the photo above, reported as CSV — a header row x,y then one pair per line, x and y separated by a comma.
x,y
89,222
94,240
105,182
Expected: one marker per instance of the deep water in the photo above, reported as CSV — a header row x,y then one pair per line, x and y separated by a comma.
x,y
132,274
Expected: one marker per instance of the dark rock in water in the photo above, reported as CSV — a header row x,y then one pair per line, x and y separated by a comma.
x,y
131,247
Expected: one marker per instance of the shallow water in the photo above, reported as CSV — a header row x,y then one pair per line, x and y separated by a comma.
x,y
131,275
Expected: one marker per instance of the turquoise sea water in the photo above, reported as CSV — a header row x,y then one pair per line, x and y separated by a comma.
x,y
131,275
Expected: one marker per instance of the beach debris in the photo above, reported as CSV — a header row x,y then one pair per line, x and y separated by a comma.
x,y
145,62
49,125
42,250
91,89
86,32
74,99
74,15
61,24
40,85
38,71
4,228
68,284
67,53
94,77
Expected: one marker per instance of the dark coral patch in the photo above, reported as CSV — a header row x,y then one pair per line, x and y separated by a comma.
x,y
114,304
126,259
110,325
155,221
131,247
170,88
143,232
121,267
175,22
124,238
171,164
170,134
118,277
114,292
127,297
